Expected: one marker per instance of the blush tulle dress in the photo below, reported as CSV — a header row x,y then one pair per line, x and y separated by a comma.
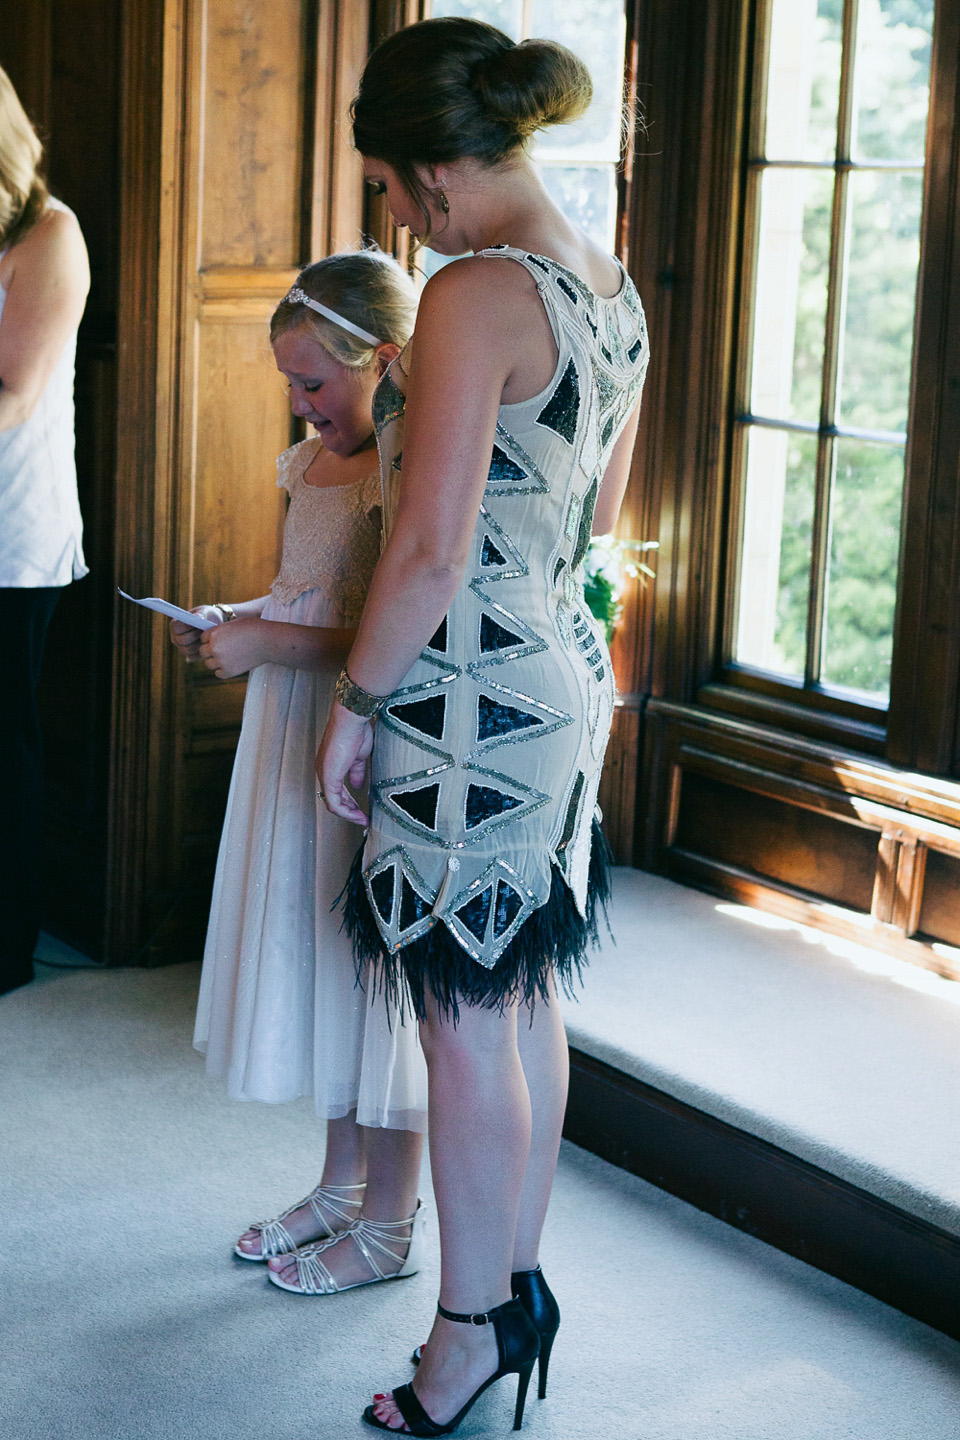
x,y
280,1013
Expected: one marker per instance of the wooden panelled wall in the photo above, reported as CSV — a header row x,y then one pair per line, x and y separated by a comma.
x,y
252,176
207,157
825,817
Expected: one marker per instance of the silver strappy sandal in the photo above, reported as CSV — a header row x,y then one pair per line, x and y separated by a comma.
x,y
326,1201
375,1239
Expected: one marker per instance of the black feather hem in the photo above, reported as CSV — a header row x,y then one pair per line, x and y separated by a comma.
x,y
553,941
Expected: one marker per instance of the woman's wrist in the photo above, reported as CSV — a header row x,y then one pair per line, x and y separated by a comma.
x,y
357,700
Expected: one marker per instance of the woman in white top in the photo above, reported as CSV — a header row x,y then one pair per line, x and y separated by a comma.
x,y
44,279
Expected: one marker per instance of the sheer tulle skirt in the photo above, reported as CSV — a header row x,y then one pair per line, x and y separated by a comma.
x,y
281,1013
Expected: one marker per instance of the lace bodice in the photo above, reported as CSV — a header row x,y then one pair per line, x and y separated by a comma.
x,y
331,541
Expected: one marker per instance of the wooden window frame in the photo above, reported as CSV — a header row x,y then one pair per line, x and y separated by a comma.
x,y
868,715
686,252
686,226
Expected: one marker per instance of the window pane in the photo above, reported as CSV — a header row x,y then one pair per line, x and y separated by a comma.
x,y
791,293
505,14
892,79
862,575
588,194
803,81
578,161
776,550
596,31
881,287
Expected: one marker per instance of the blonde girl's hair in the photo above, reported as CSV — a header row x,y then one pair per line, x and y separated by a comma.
x,y
367,288
23,194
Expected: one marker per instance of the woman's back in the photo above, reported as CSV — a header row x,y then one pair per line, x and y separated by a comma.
x,y
40,535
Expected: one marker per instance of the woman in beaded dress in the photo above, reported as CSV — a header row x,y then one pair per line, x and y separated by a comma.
x,y
505,431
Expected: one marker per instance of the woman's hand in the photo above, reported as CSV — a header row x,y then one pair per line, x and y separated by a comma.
x,y
186,638
235,647
342,761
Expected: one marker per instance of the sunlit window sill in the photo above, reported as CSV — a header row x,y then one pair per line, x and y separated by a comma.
x,y
836,1053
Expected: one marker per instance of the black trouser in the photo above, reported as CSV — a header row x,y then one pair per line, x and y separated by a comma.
x,y
24,618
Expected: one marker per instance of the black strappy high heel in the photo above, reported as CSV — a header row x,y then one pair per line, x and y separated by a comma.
x,y
518,1346
536,1297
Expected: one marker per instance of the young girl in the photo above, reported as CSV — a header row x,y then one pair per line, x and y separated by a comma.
x,y
280,1014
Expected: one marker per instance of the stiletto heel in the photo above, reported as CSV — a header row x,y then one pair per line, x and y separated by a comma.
x,y
546,1345
536,1297
539,1301
523,1382
518,1346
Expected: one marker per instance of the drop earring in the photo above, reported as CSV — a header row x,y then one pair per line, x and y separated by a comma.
x,y
443,202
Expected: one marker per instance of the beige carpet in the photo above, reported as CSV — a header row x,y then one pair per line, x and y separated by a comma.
x,y
125,1175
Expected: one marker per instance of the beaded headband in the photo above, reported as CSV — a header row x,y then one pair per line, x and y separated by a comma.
x,y
300,297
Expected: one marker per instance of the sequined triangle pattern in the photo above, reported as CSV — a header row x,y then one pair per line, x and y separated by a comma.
x,y
488,757
400,897
486,914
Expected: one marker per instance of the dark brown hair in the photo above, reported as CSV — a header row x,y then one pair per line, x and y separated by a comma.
x,y
452,89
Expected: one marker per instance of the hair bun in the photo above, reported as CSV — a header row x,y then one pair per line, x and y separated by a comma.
x,y
532,85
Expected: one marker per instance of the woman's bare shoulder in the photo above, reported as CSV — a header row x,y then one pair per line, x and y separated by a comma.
x,y
474,288
54,244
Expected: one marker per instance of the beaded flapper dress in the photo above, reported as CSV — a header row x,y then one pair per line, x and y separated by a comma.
x,y
480,871
280,1013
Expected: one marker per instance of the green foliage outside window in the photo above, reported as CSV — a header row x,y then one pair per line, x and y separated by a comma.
x,y
884,221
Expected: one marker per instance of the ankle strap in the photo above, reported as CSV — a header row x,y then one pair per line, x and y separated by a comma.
x,y
483,1317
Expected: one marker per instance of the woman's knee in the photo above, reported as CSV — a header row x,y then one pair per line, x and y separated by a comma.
x,y
477,1034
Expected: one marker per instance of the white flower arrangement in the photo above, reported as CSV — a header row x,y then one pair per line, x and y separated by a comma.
x,y
609,563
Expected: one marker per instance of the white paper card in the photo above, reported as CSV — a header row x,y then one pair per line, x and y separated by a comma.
x,y
163,607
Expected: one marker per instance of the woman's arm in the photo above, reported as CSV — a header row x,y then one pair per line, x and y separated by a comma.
x,y
466,345
46,277
615,477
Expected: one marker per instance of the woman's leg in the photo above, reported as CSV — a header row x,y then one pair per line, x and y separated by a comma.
x,y
480,1122
542,1043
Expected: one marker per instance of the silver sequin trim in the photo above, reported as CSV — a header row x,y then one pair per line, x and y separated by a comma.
x,y
492,951
539,482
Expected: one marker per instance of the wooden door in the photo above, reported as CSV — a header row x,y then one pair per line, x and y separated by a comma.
x,y
236,170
